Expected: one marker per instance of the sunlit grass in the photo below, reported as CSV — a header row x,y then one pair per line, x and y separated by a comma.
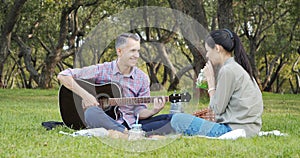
x,y
23,111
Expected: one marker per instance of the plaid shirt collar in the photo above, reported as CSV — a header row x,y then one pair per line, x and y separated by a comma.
x,y
117,71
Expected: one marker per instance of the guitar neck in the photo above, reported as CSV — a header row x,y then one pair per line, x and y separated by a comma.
x,y
133,100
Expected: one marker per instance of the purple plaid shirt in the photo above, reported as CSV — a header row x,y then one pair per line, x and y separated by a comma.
x,y
136,84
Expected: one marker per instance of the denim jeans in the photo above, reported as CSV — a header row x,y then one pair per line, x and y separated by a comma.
x,y
190,125
95,117
160,124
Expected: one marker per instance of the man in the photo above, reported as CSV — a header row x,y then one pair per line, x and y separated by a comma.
x,y
133,81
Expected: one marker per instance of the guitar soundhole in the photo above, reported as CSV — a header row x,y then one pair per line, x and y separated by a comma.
x,y
103,101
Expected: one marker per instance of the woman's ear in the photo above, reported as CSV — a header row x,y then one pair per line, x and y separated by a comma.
x,y
219,48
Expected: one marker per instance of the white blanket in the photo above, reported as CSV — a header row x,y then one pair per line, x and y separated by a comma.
x,y
240,133
235,134
97,132
274,132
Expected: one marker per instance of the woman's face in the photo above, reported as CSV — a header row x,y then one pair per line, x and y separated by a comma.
x,y
213,54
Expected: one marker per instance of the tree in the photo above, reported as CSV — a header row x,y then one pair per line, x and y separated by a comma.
x,y
51,42
260,21
12,13
225,14
37,43
195,9
296,71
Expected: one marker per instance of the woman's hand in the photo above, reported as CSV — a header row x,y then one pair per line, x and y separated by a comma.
x,y
210,75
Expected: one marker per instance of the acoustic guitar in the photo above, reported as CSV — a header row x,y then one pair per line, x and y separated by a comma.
x,y
110,98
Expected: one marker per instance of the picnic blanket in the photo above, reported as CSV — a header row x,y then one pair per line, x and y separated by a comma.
x,y
97,132
232,135
102,132
241,133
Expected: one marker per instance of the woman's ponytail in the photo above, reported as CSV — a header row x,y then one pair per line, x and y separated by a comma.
x,y
240,55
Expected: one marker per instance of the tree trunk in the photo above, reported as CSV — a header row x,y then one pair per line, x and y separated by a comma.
x,y
155,85
195,9
296,90
251,57
25,52
55,55
275,75
225,14
10,20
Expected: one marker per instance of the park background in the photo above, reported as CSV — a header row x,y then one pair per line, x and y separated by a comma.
x,y
39,38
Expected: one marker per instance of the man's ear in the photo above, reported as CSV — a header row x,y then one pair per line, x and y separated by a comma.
x,y
119,52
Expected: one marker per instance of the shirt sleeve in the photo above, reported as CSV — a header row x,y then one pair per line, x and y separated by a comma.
x,y
224,90
144,92
89,72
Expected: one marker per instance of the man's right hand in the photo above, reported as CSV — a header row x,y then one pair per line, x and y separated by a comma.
x,y
89,100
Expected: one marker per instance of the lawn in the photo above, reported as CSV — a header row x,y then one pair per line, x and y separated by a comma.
x,y
23,111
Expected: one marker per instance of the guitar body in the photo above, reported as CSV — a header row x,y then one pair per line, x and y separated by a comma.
x,y
70,104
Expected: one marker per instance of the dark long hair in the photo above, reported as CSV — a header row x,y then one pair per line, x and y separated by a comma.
x,y
230,42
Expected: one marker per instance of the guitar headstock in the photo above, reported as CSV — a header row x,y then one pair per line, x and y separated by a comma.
x,y
183,97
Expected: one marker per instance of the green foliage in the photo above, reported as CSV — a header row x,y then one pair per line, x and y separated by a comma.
x,y
23,111
211,12
39,28
273,26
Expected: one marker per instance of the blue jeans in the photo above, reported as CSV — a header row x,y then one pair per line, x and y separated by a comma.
x,y
160,124
95,117
190,125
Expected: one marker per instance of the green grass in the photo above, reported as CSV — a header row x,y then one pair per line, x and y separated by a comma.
x,y
22,112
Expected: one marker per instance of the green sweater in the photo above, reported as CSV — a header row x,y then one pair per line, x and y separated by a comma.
x,y
237,100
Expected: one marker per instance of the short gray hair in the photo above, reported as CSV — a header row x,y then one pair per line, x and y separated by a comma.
x,y
122,39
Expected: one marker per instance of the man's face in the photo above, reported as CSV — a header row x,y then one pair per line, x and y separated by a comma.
x,y
129,53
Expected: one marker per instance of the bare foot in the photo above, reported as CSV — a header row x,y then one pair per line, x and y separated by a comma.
x,y
116,134
157,137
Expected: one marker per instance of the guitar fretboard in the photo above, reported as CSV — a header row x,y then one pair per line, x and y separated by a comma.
x,y
132,101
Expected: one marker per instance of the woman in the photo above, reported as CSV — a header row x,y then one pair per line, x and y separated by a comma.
x,y
235,97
